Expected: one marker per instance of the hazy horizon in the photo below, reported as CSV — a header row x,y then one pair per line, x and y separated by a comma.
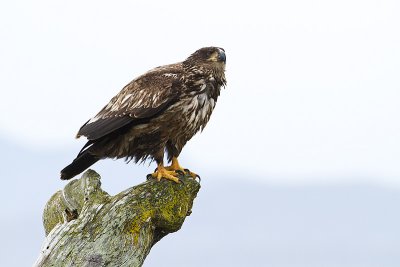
x,y
235,221
304,138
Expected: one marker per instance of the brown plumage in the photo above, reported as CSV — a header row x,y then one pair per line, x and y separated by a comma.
x,y
156,112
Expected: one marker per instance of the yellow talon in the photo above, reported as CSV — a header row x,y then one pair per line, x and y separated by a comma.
x,y
176,167
162,172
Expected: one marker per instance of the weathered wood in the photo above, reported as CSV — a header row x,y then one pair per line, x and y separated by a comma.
x,y
85,226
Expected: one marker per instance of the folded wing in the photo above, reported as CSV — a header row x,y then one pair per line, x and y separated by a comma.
x,y
139,101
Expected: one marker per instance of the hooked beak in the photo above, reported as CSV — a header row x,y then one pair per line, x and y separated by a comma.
x,y
221,55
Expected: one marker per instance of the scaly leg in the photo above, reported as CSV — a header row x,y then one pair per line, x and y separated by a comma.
x,y
177,168
162,172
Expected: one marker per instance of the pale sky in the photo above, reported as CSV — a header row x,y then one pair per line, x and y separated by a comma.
x,y
313,86
312,98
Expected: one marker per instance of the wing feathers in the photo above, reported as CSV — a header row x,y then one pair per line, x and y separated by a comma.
x,y
140,100
102,127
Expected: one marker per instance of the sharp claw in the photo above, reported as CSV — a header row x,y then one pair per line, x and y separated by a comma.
x,y
180,172
181,180
149,177
191,174
198,176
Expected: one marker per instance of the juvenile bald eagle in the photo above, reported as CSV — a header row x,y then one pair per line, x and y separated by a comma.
x,y
156,112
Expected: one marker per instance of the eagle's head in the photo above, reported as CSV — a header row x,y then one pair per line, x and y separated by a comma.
x,y
209,55
209,59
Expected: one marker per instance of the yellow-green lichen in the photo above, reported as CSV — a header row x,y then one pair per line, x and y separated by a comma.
x,y
120,229
141,218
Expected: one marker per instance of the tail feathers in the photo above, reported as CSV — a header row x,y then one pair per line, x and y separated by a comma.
x,y
81,163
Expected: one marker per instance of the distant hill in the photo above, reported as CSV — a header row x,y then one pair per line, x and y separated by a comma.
x,y
235,222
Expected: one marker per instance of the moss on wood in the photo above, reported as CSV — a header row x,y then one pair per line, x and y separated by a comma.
x,y
87,227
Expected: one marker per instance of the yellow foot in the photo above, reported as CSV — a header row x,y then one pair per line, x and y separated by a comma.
x,y
175,167
162,172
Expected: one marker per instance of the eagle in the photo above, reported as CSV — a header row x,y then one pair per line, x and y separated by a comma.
x,y
154,114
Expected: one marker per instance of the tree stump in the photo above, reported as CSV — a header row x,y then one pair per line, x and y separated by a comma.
x,y
85,226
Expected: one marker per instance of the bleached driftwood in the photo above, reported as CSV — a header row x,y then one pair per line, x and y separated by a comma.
x,y
85,226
